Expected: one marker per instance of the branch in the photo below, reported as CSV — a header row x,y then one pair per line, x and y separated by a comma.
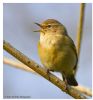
x,y
20,65
17,64
37,68
80,31
84,90
80,28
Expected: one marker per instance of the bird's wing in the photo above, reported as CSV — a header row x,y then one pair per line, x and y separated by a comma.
x,y
72,45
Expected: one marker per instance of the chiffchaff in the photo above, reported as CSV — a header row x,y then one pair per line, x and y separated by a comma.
x,y
57,50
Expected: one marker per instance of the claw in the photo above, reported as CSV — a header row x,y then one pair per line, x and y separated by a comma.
x,y
47,71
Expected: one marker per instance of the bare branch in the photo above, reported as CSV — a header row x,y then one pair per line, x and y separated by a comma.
x,y
80,31
37,68
80,28
17,64
84,90
20,65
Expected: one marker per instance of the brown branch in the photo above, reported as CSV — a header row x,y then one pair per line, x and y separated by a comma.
x,y
80,28
80,31
17,64
84,90
20,65
37,68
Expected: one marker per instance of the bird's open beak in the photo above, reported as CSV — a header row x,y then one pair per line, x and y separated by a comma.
x,y
39,26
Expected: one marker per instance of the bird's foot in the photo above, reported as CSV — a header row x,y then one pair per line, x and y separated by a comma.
x,y
47,71
66,85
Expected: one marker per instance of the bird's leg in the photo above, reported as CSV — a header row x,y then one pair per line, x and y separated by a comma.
x,y
48,70
65,80
51,70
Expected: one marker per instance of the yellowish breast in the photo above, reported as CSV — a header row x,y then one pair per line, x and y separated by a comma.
x,y
55,53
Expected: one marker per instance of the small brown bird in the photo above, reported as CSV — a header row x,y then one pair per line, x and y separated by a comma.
x,y
57,50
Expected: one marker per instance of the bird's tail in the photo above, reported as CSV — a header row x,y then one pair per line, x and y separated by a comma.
x,y
71,80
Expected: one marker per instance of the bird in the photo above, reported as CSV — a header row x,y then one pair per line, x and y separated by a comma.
x,y
57,50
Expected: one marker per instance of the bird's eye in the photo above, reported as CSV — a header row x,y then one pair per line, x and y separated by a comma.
x,y
49,26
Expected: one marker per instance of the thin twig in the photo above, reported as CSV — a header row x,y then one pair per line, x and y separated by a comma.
x,y
80,28
37,68
17,64
20,65
80,31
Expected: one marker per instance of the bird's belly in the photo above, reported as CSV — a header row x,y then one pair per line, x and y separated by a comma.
x,y
57,59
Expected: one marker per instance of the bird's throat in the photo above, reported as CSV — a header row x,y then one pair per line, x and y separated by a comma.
x,y
48,40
